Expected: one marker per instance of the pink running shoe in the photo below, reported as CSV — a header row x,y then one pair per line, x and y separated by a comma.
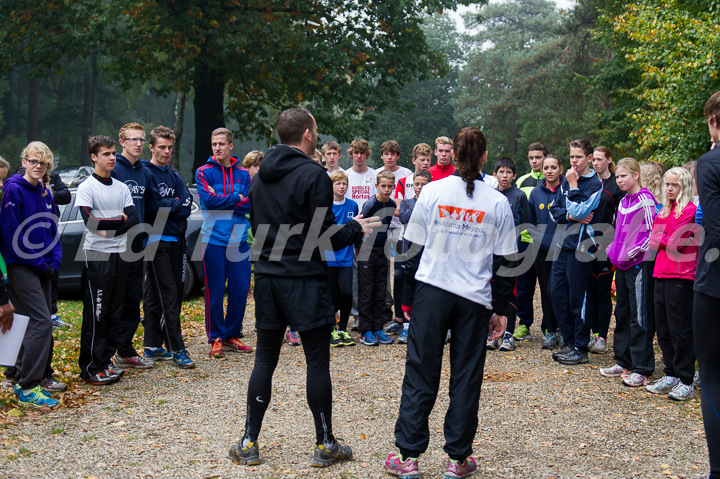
x,y
407,469
461,469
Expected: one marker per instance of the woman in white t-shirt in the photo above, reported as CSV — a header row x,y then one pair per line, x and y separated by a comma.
x,y
465,228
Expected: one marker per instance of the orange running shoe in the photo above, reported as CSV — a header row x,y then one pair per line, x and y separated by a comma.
x,y
216,350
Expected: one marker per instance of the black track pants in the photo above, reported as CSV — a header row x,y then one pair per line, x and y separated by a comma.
x,y
162,297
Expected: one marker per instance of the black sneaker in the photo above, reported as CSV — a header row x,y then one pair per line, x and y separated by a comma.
x,y
336,339
562,351
102,378
249,454
574,357
330,453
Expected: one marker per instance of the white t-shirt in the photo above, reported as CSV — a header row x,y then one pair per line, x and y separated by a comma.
x,y
400,173
490,180
460,236
361,186
106,201
339,169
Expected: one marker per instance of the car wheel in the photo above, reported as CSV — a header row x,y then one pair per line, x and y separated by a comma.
x,y
190,279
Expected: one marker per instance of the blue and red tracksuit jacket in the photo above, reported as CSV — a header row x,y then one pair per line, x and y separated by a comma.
x,y
223,210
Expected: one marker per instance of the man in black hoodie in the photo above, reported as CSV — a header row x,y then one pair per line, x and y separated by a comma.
x,y
292,221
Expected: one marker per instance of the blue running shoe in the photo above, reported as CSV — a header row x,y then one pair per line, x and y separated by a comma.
x,y
369,339
36,398
159,354
383,338
182,359
403,339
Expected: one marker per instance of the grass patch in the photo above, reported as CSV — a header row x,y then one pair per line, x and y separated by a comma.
x,y
58,430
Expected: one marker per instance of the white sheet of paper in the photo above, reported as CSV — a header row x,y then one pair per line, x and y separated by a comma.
x,y
11,341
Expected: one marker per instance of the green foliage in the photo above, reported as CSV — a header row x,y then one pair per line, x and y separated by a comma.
x,y
523,81
423,110
670,49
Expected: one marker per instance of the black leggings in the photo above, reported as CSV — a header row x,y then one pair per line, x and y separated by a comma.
x,y
319,388
341,293
602,307
706,331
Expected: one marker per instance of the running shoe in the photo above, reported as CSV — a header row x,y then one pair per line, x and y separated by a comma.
x,y
663,385
9,384
182,359
448,337
248,454
330,453
393,328
522,333
157,354
407,469
135,362
102,378
355,325
112,369
216,349
565,349
236,346
599,346
59,323
336,339
591,342
347,339
550,341
466,468
492,344
682,392
369,339
292,338
614,371
35,398
52,384
508,342
696,379
383,338
403,339
635,380
574,357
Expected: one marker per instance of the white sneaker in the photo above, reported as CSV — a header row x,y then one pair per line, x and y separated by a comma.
x,y
615,371
491,343
599,346
682,392
508,342
636,380
663,385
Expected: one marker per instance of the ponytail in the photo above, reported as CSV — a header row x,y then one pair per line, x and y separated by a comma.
x,y
469,146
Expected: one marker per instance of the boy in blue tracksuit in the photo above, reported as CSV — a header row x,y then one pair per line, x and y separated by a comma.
x,y
131,170
222,185
163,291
574,206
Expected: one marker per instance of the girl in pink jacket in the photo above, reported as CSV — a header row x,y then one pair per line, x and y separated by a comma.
x,y
675,237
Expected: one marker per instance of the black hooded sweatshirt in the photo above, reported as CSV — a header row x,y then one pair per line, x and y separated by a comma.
x,y
290,190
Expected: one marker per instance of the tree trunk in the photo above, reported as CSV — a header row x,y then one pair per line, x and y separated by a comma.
x,y
179,114
91,82
33,124
209,111
7,108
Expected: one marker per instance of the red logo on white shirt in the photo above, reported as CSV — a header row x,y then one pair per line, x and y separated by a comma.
x,y
461,214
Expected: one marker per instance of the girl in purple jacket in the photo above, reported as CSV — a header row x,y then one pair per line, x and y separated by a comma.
x,y
629,252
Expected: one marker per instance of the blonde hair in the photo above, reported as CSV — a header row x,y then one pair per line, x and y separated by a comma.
x,y
443,140
652,179
254,158
632,166
317,156
223,132
685,197
44,154
422,149
338,175
129,126
385,175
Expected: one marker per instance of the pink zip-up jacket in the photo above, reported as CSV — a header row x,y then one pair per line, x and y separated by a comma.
x,y
631,243
676,239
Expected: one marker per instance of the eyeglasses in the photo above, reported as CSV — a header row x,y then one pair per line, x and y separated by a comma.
x,y
34,163
135,140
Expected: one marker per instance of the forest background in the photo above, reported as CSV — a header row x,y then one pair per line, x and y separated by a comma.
x,y
632,76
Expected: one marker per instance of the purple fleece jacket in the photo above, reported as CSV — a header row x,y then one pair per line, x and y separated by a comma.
x,y
635,216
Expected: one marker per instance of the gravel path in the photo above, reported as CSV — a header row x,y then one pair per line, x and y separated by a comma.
x,y
538,419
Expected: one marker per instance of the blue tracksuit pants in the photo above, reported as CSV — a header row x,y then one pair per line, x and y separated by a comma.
x,y
570,279
220,265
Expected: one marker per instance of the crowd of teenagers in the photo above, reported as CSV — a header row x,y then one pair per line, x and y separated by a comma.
x,y
468,249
